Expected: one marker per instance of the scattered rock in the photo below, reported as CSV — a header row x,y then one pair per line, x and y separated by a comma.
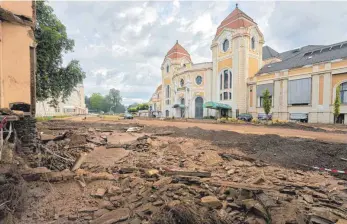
x,y
100,212
158,203
114,190
259,180
308,198
127,190
162,182
256,207
72,217
135,221
100,192
152,172
88,209
211,201
114,216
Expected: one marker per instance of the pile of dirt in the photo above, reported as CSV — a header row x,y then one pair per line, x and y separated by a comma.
x,y
172,175
13,191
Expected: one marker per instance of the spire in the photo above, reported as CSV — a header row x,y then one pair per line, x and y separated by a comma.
x,y
237,5
176,41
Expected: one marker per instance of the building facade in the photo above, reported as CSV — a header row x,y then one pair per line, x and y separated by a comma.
x,y
73,105
17,53
155,103
302,82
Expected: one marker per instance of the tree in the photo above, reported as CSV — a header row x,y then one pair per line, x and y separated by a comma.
x,y
87,102
114,96
96,101
53,81
266,102
337,103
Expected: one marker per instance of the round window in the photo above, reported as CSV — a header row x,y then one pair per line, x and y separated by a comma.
x,y
182,82
225,45
198,80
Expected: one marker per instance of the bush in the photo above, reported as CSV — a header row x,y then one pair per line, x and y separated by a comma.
x,y
210,117
232,120
278,121
255,121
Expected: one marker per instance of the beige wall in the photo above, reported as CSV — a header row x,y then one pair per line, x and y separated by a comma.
x,y
18,7
15,66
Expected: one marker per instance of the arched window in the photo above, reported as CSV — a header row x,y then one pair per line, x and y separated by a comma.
x,y
167,94
221,81
343,93
225,45
226,79
253,43
182,82
167,68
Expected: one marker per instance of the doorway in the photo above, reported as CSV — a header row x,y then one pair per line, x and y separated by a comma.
x,y
199,110
182,108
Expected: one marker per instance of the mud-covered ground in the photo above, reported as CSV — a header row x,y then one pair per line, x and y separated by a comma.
x,y
138,177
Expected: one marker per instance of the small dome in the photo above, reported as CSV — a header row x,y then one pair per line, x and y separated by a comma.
x,y
236,19
177,51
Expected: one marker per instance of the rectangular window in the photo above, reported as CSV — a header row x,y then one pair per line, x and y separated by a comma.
x,y
225,95
231,79
221,97
226,78
262,100
260,90
167,102
229,96
299,92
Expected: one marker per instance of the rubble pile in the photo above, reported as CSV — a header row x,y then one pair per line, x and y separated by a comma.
x,y
137,177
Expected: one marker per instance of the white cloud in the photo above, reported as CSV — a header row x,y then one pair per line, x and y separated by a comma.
x,y
122,44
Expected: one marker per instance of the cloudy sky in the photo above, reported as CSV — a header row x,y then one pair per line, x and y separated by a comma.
x,y
122,44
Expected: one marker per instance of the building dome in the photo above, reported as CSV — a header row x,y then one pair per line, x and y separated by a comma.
x,y
236,19
177,51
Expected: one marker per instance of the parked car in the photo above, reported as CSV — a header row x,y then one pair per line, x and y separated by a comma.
x,y
128,116
245,117
264,117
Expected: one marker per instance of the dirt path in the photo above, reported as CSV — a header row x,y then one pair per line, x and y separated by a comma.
x,y
330,137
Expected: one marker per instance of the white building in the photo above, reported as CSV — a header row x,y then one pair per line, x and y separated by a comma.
x,y
73,105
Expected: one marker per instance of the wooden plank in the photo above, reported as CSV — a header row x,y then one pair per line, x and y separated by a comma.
x,y
188,173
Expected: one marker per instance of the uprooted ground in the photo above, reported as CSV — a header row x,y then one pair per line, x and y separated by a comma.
x,y
131,177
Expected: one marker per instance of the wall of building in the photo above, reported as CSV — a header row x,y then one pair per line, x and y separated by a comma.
x,y
15,68
325,78
74,104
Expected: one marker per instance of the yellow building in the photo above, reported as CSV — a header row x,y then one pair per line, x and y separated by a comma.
x,y
17,53
302,82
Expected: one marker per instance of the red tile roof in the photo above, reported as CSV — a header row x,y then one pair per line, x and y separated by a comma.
x,y
234,20
177,51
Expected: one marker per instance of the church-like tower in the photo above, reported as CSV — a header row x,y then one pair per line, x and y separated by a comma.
x,y
236,56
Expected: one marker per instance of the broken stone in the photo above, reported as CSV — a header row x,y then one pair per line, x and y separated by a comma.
x,y
162,182
158,203
72,217
256,207
113,190
152,172
174,203
308,198
341,221
290,191
114,216
100,212
234,206
231,171
100,192
211,201
107,205
127,190
135,221
88,209
188,173
319,195
266,200
259,180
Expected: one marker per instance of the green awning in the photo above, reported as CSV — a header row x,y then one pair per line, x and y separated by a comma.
x,y
215,105
178,105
